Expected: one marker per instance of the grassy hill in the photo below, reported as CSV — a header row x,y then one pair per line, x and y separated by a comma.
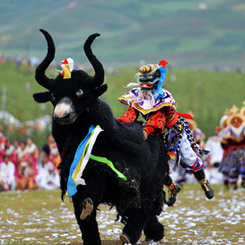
x,y
207,94
189,34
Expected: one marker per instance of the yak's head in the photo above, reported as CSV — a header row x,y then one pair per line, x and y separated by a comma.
x,y
74,96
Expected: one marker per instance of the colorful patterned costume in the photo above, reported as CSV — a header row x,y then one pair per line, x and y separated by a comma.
x,y
232,139
186,155
158,112
158,108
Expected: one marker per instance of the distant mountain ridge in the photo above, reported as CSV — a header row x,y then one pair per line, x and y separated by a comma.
x,y
189,34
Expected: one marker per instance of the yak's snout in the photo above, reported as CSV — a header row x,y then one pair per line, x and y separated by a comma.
x,y
64,111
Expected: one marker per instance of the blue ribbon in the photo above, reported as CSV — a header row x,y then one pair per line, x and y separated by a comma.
x,y
71,185
162,79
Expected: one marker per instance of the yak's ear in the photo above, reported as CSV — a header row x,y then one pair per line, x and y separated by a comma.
x,y
42,97
100,90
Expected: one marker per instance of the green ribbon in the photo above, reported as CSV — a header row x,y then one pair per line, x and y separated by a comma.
x,y
110,164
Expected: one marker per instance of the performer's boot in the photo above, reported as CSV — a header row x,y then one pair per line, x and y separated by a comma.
x,y
200,176
173,190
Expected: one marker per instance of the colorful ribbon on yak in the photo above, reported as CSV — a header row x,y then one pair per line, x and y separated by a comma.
x,y
82,156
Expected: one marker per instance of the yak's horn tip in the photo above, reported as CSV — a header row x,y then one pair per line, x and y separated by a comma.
x,y
43,31
95,35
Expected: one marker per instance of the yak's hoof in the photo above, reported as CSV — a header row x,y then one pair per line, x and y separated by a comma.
x,y
124,238
87,209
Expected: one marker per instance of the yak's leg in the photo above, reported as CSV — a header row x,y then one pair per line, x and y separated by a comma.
x,y
134,227
94,191
89,229
93,194
154,230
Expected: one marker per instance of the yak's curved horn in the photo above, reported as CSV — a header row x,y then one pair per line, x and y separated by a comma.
x,y
98,78
40,76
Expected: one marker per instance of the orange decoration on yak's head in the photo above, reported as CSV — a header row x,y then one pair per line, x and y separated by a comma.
x,y
67,65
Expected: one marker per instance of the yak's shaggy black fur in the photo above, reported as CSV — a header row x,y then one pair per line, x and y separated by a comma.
x,y
139,199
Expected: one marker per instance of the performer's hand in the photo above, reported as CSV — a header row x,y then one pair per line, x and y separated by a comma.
x,y
145,134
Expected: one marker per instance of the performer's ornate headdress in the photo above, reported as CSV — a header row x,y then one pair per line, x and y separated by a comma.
x,y
235,117
235,120
151,77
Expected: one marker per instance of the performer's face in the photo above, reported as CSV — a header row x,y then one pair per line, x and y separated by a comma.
x,y
148,80
236,122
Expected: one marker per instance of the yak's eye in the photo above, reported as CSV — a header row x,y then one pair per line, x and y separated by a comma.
x,y
79,93
52,98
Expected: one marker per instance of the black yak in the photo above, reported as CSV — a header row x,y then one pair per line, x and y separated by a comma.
x,y
139,196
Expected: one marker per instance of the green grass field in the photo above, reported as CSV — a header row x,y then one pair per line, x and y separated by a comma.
x,y
39,217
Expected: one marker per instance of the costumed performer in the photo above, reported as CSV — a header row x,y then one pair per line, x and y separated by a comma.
x,y
158,108
232,139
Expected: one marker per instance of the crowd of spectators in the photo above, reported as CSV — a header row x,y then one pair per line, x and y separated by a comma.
x,y
24,166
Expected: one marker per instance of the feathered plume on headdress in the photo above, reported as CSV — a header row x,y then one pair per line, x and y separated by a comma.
x,y
162,68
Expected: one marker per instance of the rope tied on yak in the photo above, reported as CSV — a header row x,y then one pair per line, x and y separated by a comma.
x,y
81,158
